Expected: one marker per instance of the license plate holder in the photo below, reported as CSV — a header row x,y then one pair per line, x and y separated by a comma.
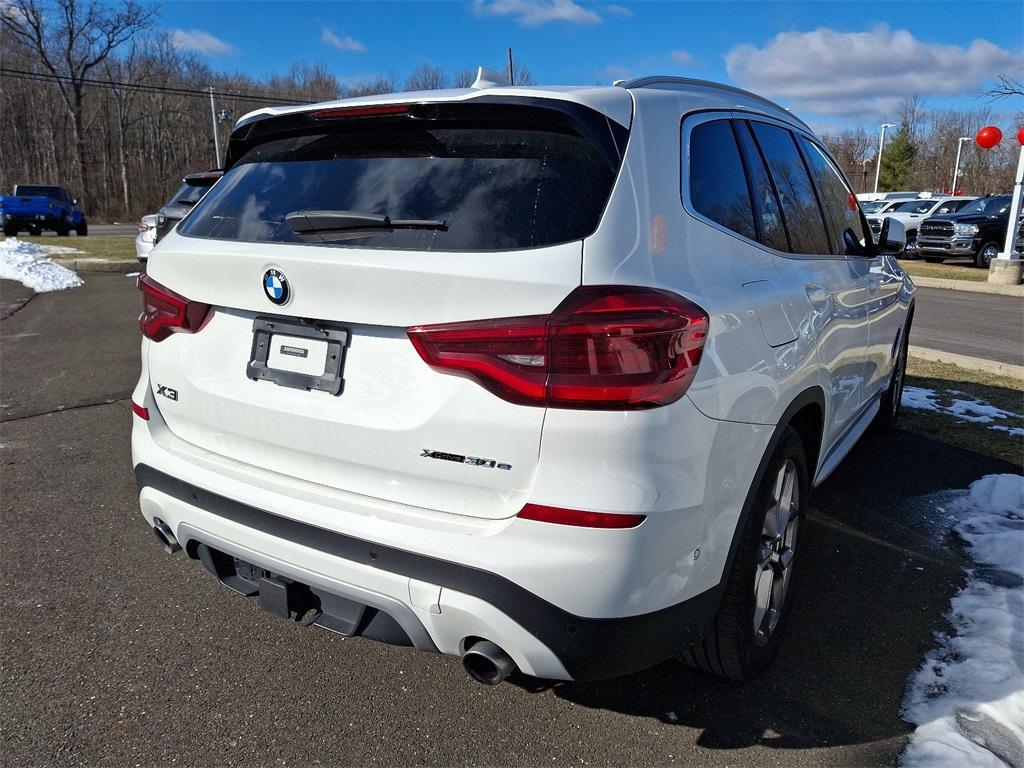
x,y
268,331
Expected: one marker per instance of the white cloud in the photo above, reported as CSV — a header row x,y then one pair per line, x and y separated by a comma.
x,y
681,58
614,9
201,42
342,43
533,13
847,74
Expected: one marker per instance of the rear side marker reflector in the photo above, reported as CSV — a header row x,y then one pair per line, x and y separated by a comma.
x,y
165,312
607,347
138,410
578,518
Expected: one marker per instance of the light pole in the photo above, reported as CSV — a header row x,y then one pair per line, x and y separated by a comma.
x,y
216,136
864,173
881,144
956,165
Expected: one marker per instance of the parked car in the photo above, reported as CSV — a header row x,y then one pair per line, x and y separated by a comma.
x,y
542,379
978,230
194,186
152,227
912,212
878,207
868,197
36,207
146,239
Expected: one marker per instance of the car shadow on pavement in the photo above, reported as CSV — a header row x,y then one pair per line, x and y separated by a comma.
x,y
876,575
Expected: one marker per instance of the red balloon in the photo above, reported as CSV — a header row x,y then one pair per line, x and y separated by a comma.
x,y
988,137
1020,134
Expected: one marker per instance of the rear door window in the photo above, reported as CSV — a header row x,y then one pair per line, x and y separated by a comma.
x,y
799,204
766,201
718,184
496,184
838,200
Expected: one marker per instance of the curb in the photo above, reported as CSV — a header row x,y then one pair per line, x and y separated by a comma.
x,y
100,265
973,363
971,286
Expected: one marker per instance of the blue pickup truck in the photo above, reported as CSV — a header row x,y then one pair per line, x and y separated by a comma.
x,y
35,207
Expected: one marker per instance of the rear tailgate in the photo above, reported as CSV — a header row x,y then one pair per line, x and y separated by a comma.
x,y
398,430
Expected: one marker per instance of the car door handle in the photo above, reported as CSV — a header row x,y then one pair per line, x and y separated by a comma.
x,y
817,295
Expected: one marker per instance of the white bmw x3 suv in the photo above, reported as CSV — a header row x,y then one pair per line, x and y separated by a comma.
x,y
539,377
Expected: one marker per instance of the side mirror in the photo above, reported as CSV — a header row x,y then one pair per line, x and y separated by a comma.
x,y
74,201
893,237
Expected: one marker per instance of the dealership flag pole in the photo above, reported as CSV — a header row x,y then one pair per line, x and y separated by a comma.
x,y
1015,206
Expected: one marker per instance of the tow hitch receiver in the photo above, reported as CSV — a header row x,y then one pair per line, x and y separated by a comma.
x,y
274,597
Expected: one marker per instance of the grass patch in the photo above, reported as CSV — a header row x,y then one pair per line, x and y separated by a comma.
x,y
951,383
961,271
117,247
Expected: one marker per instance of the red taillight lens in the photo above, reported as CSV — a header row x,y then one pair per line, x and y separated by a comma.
x,y
138,410
579,518
604,347
165,312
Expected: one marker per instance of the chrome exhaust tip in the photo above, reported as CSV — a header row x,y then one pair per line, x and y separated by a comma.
x,y
486,663
166,536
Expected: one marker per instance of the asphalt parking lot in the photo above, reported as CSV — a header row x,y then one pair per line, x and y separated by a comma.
x,y
114,653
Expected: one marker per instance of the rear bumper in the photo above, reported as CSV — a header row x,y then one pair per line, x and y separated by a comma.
x,y
25,220
437,603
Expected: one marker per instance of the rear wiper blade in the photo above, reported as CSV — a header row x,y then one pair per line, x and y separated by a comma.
x,y
325,226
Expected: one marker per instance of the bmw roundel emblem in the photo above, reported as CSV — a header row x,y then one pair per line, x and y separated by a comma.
x,y
275,285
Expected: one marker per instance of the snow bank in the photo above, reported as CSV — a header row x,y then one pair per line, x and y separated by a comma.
x,y
967,700
27,263
976,411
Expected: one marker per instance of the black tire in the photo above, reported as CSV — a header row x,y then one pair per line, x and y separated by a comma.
x,y
934,259
910,252
892,400
82,229
63,229
733,647
985,254
35,231
10,230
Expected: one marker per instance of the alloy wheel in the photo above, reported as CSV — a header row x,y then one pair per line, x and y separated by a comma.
x,y
775,553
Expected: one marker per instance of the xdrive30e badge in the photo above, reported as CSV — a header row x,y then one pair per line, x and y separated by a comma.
x,y
459,458
275,285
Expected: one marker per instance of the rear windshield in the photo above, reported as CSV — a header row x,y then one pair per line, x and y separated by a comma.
x,y
495,186
187,194
25,190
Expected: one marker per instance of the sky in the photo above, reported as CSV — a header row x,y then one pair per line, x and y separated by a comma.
x,y
836,64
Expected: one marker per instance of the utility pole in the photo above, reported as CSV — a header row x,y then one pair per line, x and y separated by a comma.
x,y
216,136
881,145
956,165
511,71
864,174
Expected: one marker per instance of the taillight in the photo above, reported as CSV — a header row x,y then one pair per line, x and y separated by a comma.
x,y
604,347
143,228
138,410
579,518
165,312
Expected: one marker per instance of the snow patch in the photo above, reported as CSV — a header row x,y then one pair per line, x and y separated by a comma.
x,y
967,700
963,408
27,263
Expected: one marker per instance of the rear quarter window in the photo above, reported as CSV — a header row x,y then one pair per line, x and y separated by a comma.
x,y
718,184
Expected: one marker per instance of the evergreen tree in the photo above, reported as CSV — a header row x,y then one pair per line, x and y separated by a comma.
x,y
897,161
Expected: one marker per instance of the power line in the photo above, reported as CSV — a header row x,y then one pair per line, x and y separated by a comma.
x,y
21,74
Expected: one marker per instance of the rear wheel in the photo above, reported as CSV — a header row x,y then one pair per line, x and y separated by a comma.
x,y
748,628
10,230
82,229
63,229
985,254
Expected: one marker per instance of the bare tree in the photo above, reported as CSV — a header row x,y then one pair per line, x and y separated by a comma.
x,y
427,77
1008,87
463,78
72,38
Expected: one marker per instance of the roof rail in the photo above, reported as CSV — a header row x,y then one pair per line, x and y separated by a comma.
x,y
644,82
